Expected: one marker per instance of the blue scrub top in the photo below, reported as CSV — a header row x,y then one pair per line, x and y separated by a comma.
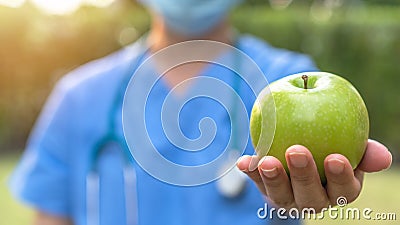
x,y
51,176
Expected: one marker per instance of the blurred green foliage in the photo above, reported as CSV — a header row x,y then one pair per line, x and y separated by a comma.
x,y
359,43
310,2
37,49
383,2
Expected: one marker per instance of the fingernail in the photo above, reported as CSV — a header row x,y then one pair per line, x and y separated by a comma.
x,y
335,166
238,162
298,159
270,173
253,164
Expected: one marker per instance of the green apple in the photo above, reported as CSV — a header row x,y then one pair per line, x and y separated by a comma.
x,y
318,110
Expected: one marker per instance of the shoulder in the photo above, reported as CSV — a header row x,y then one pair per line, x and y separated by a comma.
x,y
275,62
101,74
86,93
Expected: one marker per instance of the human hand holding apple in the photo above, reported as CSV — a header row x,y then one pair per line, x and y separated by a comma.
x,y
324,113
318,110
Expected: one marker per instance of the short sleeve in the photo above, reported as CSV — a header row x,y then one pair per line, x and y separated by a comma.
x,y
41,179
274,62
288,63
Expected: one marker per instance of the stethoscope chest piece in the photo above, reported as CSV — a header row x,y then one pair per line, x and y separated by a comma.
x,y
233,182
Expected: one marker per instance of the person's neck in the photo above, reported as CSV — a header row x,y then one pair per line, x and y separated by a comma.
x,y
160,37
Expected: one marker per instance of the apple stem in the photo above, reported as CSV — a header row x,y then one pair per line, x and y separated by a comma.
x,y
305,79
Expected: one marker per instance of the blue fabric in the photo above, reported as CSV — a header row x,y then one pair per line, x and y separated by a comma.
x,y
52,173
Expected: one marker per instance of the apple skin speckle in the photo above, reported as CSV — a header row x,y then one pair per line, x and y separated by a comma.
x,y
329,117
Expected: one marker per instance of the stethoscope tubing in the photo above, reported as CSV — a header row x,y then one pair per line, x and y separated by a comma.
x,y
129,174
233,177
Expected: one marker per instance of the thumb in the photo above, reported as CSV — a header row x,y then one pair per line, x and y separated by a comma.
x,y
376,157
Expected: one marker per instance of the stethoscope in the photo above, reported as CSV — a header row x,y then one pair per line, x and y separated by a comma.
x,y
230,185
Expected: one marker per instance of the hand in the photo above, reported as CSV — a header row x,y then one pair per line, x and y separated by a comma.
x,y
304,188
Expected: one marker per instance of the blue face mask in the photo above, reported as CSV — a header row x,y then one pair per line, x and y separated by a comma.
x,y
191,17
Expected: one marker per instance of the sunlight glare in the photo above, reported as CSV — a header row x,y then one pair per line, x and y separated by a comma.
x,y
12,3
58,7
99,3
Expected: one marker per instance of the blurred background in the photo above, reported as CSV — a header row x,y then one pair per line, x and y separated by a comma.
x,y
41,40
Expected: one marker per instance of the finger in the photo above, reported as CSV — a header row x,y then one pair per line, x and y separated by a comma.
x,y
276,182
248,164
306,184
359,174
341,180
376,157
